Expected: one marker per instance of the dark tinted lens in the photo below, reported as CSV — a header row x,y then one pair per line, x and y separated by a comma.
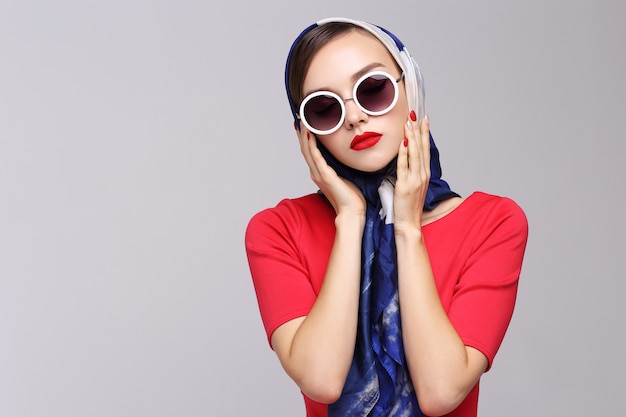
x,y
322,112
375,93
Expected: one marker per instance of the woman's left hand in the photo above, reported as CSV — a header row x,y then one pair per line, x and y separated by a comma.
x,y
413,176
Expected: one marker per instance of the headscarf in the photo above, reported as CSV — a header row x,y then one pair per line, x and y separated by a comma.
x,y
378,383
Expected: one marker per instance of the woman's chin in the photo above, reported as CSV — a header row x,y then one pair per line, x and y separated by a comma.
x,y
375,167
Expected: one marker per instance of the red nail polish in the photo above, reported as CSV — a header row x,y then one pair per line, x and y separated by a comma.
x,y
412,115
308,135
406,142
295,125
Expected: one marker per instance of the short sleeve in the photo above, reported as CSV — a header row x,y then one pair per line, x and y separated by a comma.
x,y
485,294
281,280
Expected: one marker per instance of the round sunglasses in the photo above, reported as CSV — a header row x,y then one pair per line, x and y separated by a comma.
x,y
375,93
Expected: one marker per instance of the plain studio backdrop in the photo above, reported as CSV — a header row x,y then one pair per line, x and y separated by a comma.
x,y
137,138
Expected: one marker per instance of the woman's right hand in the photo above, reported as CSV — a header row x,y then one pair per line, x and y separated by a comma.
x,y
342,194
316,350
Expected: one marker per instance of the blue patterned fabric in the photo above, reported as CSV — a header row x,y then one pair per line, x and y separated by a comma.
x,y
378,383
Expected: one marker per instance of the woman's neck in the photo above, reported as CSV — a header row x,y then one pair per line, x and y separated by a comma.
x,y
444,208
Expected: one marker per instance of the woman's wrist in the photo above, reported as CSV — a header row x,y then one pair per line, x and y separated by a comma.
x,y
406,233
350,219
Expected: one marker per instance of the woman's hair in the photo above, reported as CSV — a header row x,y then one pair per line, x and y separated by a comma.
x,y
314,37
306,48
301,54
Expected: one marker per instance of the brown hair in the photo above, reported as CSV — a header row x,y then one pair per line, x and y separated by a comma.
x,y
305,49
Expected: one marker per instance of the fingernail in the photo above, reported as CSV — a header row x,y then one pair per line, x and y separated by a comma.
x,y
308,135
295,125
427,120
409,125
406,142
412,115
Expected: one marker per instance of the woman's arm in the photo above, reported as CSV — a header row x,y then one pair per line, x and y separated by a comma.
x,y
442,368
316,351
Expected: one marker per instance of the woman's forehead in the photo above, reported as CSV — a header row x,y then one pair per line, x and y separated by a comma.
x,y
345,58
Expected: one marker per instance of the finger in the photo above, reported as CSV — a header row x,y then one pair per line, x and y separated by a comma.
x,y
316,154
425,143
402,166
305,147
319,166
424,130
413,149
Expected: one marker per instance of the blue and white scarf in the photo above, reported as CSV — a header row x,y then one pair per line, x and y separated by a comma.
x,y
378,383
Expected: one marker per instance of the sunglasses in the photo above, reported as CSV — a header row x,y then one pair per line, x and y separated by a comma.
x,y
375,93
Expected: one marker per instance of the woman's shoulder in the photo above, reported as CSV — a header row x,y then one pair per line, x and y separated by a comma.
x,y
483,208
483,203
292,215
480,219
306,205
490,212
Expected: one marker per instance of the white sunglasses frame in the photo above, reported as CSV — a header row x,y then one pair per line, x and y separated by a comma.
x,y
353,98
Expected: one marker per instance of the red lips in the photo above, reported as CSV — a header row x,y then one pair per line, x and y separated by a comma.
x,y
365,140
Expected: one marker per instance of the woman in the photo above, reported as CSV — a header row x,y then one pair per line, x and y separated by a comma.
x,y
385,293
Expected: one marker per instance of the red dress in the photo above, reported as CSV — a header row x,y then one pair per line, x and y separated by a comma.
x,y
475,251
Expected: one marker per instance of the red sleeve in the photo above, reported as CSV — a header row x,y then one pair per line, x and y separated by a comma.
x,y
283,288
484,296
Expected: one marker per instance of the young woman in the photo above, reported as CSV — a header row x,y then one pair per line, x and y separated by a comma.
x,y
385,293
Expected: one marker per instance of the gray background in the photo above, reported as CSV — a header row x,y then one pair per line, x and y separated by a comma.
x,y
138,137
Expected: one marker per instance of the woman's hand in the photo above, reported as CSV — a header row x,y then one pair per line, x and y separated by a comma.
x,y
343,195
316,351
413,173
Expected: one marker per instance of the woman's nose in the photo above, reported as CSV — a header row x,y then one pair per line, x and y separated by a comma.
x,y
354,114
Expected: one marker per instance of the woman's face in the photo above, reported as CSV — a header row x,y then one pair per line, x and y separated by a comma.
x,y
336,67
